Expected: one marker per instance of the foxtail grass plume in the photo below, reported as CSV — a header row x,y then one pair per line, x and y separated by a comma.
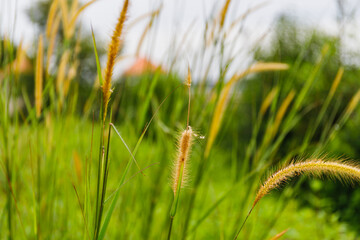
x,y
345,172
51,17
39,77
268,100
112,52
180,169
353,103
181,165
280,115
224,12
51,39
75,14
153,16
336,82
70,76
69,17
19,60
64,16
223,98
62,72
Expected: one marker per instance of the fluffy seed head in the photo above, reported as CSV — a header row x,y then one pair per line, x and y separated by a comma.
x,y
315,167
39,77
51,17
112,52
184,148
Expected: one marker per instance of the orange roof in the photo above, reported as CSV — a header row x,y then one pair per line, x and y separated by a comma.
x,y
141,66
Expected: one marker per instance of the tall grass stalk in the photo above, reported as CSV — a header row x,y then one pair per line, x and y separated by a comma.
x,y
39,77
180,171
112,52
217,118
103,160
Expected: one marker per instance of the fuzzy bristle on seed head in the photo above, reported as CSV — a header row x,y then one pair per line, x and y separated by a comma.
x,y
112,52
184,147
344,171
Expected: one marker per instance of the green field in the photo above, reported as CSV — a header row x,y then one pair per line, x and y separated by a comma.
x,y
166,155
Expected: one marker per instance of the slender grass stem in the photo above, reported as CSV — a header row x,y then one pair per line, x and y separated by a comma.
x,y
170,228
105,177
99,171
237,234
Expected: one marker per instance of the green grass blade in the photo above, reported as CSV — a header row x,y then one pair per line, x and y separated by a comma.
x,y
97,58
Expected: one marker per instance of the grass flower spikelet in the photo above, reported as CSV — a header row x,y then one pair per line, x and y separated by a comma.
x,y
112,52
316,167
184,148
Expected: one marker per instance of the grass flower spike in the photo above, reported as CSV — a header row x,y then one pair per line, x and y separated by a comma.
x,y
180,170
179,173
345,172
112,52
39,77
316,167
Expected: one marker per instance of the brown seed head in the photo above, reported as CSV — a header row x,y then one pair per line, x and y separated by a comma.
x,y
112,52
39,77
315,167
182,158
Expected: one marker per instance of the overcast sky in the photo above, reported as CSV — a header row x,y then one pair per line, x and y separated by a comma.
x,y
176,17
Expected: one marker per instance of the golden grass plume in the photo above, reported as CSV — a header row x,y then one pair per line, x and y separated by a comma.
x,y
336,81
51,17
62,72
224,11
75,14
344,171
223,99
154,15
70,76
69,18
281,113
181,164
112,52
353,103
268,100
64,16
20,60
39,77
52,38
